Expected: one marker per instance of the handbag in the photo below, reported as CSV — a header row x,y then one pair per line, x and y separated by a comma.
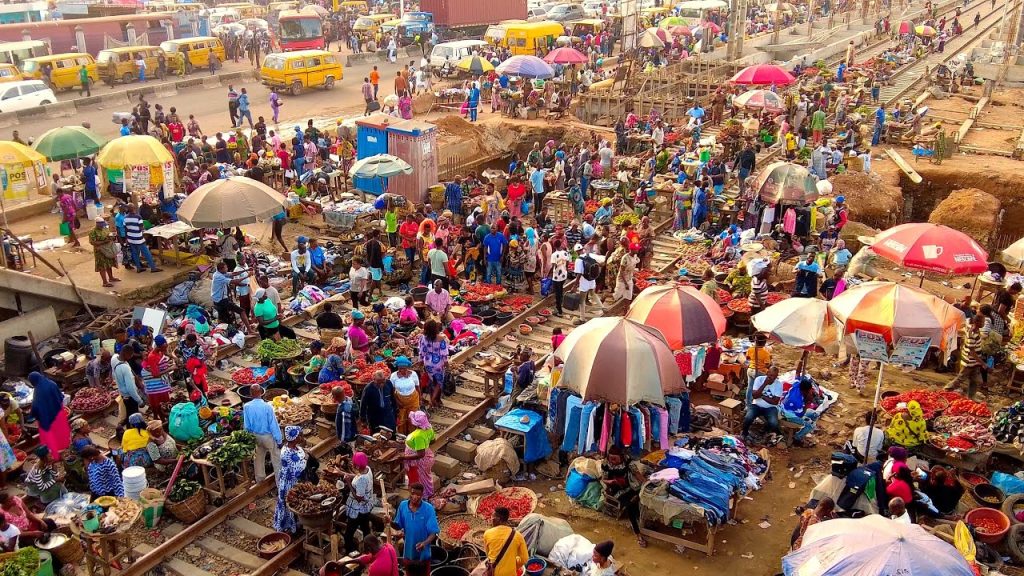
x,y
486,568
373,106
65,228
545,286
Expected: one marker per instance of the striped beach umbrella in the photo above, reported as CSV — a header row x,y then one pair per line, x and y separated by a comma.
x,y
618,360
684,315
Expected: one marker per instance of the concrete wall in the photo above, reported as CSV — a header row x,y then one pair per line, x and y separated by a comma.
x,y
35,292
42,323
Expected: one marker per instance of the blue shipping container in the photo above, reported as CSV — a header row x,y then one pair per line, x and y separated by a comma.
x,y
371,139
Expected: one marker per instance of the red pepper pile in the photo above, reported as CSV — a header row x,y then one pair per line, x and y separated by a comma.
x,y
724,296
456,530
214,390
365,373
519,503
968,407
987,526
326,387
534,566
642,279
740,305
959,443
930,402
775,298
246,377
518,303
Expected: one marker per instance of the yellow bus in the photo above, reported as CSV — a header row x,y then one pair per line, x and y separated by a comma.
x,y
246,9
64,69
526,39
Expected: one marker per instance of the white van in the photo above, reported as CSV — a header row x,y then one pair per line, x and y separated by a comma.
x,y
454,51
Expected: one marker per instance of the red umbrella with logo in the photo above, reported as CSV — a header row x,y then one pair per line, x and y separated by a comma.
x,y
763,74
931,247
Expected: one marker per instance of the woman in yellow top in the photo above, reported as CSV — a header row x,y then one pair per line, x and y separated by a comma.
x,y
134,442
515,553
419,458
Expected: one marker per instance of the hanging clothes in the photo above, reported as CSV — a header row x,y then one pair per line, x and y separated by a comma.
x,y
767,219
606,429
789,221
586,435
675,405
625,429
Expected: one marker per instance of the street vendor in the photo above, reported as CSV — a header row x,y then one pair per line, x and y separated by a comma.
x,y
360,500
419,458
44,481
376,405
293,464
795,407
134,442
766,393
620,483
406,383
357,337
333,370
104,477
162,448
97,371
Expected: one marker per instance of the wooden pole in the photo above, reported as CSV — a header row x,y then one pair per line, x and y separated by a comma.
x,y
35,350
77,291
32,251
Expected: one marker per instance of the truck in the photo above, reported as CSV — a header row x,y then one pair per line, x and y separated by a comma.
x,y
458,18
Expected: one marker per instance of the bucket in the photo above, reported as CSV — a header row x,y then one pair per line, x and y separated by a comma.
x,y
45,564
18,356
93,210
536,566
438,556
332,568
419,294
90,522
152,506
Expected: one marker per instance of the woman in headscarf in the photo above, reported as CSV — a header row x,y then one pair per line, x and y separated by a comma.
x,y
43,481
293,464
49,411
405,106
419,458
80,437
406,383
156,369
162,448
433,352
360,500
332,371
104,252
69,216
134,442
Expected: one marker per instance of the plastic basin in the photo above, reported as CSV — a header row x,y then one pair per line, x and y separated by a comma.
x,y
989,514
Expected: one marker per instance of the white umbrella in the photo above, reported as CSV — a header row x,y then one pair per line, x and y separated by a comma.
x,y
650,40
1014,253
380,166
799,322
230,202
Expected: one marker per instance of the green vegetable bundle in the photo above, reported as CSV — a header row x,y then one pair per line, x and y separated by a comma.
x,y
240,446
278,350
183,489
25,562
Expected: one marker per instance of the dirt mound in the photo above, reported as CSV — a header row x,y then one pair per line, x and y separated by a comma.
x,y
871,200
971,211
855,230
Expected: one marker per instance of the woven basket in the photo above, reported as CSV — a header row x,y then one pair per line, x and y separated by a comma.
x,y
190,509
474,536
70,552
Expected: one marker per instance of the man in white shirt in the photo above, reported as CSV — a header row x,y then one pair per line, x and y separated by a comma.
x,y
302,266
605,153
559,272
9,534
898,511
584,266
860,439
767,394
658,135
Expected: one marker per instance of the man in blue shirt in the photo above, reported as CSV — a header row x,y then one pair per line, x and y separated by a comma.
x,y
318,261
418,519
537,183
128,383
494,248
259,419
474,102
807,272
89,179
221,297
879,124
243,108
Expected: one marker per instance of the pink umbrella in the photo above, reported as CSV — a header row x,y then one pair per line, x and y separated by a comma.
x,y
763,74
566,55
715,28
906,26
681,31
661,33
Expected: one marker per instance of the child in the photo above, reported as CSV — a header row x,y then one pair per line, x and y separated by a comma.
x,y
197,370
556,338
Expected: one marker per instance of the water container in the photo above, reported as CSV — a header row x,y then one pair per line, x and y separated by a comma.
x,y
109,344
18,356
93,210
45,564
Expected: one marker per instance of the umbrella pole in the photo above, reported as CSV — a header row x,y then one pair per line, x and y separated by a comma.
x,y
801,367
874,412
921,285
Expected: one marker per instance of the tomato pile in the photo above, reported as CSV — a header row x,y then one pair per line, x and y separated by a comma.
x,y
591,206
90,400
726,311
326,387
724,296
959,443
775,298
365,374
518,501
930,402
456,530
644,278
246,377
987,526
534,566
740,305
478,291
517,303
968,407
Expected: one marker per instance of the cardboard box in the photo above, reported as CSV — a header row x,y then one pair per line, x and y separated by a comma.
x,y
478,487
461,450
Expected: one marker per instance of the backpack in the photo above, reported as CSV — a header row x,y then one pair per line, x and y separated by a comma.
x,y
591,269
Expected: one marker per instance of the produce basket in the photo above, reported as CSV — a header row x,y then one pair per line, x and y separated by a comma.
x,y
27,559
284,349
520,502
188,510
315,521
459,529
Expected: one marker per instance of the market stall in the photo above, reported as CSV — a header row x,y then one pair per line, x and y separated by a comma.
x,y
24,172
137,167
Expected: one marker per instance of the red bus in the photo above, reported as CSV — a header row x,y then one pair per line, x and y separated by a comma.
x,y
300,31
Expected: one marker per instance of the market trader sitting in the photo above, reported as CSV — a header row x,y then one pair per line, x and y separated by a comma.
x,y
766,394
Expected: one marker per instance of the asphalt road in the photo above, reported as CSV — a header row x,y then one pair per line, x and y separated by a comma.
x,y
209,105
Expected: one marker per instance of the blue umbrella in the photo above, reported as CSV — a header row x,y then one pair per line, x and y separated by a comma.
x,y
527,67
871,546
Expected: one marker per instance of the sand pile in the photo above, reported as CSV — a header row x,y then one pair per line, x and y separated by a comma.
x,y
871,201
971,211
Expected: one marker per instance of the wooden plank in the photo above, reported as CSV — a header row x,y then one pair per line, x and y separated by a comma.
x,y
170,564
246,526
907,169
229,552
457,407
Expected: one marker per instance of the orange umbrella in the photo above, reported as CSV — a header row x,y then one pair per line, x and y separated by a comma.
x,y
683,314
894,311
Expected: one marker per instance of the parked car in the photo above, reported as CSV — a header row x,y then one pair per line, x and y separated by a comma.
x,y
566,12
536,14
25,94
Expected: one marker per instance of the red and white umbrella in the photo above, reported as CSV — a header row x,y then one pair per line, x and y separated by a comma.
x,y
931,247
763,74
681,31
566,55
760,100
683,314
661,33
